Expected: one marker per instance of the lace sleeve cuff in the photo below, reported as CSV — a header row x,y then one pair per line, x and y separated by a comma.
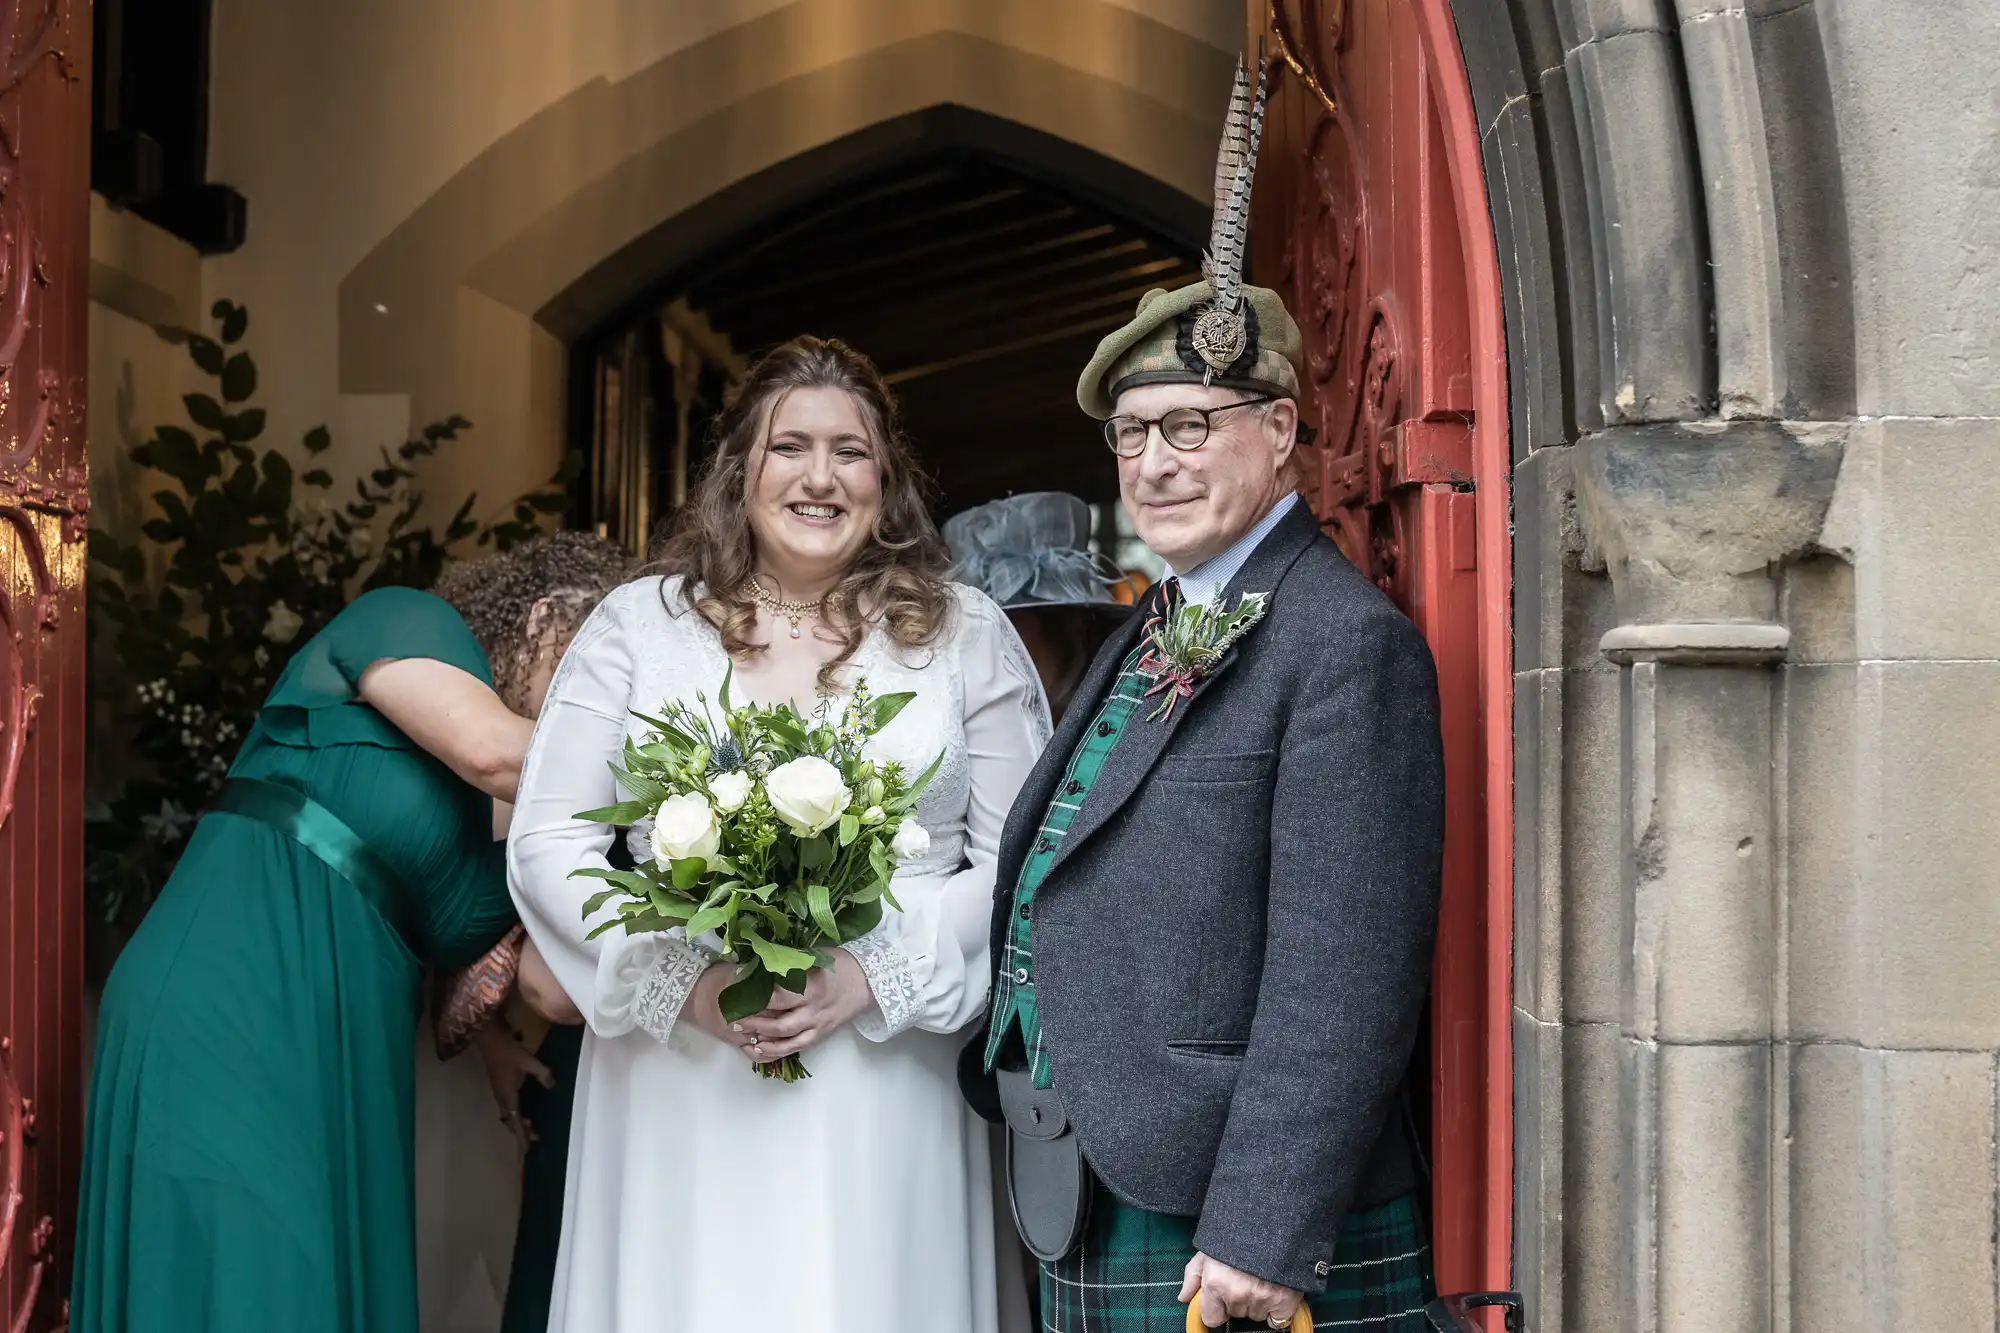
x,y
643,981
894,982
667,987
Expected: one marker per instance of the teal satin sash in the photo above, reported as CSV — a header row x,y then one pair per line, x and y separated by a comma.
x,y
320,831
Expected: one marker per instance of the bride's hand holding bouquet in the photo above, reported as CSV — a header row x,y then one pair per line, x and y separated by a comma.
x,y
774,838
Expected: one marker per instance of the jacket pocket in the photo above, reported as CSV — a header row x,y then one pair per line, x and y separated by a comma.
x,y
1244,766
1208,1049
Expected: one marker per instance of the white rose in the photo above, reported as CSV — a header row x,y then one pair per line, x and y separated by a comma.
x,y
281,624
912,841
807,794
684,829
730,791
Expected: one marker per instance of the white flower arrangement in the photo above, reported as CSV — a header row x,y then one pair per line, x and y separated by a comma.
x,y
756,837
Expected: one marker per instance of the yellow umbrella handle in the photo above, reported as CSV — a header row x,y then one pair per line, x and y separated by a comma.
x,y
1302,1319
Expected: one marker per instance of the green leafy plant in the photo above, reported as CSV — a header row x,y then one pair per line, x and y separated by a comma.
x,y
246,560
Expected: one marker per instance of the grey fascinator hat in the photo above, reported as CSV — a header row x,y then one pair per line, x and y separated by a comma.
x,y
1032,550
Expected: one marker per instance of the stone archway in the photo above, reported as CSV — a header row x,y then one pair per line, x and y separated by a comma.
x,y
975,260
459,306
553,225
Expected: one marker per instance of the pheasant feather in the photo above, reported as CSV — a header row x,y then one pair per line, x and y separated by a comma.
x,y
1228,159
1235,169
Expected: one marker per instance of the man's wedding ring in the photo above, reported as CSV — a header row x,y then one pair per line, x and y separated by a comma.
x,y
756,1039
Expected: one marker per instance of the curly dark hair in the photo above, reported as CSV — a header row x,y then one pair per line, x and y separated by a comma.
x,y
898,578
571,571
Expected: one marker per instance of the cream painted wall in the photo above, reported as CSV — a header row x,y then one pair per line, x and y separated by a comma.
x,y
147,289
141,281
425,175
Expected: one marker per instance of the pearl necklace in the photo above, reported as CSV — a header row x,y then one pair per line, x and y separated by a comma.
x,y
791,610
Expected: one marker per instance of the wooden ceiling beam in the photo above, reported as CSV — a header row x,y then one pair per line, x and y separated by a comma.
x,y
858,272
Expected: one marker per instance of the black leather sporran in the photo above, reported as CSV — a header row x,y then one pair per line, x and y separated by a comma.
x,y
1048,1182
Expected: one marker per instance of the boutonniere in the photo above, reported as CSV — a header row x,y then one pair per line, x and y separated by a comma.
x,y
1184,642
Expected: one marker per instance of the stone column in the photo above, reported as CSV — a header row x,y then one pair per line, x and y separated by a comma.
x,y
1692,522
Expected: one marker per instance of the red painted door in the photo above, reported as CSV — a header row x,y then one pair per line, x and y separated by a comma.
x,y
44,340
1368,178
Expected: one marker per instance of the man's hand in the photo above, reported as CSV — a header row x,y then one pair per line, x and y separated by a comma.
x,y
1229,1294
508,1064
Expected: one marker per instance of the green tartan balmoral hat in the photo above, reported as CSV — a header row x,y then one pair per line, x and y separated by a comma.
x,y
1219,330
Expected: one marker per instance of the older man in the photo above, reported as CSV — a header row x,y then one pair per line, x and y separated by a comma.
x,y
1218,891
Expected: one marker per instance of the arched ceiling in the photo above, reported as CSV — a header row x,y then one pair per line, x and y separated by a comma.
x,y
531,219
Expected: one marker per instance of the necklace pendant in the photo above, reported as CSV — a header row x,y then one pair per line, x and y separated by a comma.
x,y
795,627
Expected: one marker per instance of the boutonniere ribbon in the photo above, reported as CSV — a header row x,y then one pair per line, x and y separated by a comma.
x,y
1184,642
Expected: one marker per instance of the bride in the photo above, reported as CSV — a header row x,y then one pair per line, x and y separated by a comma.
x,y
702,1196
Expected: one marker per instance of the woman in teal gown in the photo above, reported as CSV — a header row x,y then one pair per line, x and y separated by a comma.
x,y
248,1140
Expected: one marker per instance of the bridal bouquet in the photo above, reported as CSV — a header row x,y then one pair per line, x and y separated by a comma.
x,y
770,830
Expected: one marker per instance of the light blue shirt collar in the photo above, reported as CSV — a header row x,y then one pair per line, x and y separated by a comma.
x,y
1205,582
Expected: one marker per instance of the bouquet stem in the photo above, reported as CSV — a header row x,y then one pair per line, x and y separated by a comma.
x,y
791,1069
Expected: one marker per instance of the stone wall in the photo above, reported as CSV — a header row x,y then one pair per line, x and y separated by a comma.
x,y
1752,254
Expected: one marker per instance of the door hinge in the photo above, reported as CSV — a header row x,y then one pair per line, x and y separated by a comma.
x,y
1453,1314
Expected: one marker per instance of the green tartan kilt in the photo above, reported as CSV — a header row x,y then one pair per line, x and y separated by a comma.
x,y
1125,1274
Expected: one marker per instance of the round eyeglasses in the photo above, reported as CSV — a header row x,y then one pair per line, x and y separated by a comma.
x,y
1185,428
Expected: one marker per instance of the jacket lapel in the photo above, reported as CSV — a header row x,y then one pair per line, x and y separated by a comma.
x,y
1032,803
1143,743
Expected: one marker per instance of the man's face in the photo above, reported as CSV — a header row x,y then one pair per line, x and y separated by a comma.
x,y
1191,505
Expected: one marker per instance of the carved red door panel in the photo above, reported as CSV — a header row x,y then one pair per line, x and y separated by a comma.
x,y
1369,151
44,496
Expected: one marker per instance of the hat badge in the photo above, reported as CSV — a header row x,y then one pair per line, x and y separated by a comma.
x,y
1219,337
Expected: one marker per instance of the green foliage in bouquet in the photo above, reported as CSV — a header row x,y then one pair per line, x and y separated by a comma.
x,y
257,559
771,830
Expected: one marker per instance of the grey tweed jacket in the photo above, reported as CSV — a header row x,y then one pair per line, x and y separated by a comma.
x,y
1233,948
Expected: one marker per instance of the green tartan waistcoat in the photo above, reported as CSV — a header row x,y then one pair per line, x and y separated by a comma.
x,y
1013,1002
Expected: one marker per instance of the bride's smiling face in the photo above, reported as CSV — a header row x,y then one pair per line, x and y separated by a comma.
x,y
813,488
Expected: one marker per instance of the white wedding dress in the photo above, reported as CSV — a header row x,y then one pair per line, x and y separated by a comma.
x,y
700,1196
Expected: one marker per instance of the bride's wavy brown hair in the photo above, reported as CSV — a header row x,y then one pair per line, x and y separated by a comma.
x,y
899,576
